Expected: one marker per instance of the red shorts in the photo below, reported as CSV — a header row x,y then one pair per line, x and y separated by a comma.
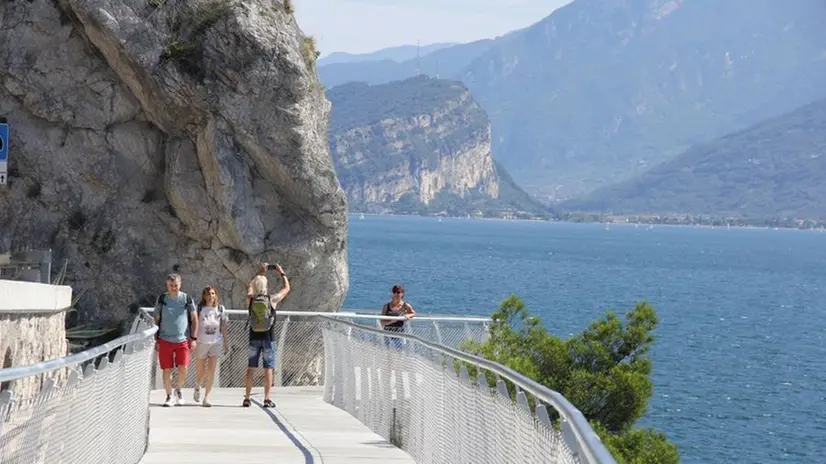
x,y
173,354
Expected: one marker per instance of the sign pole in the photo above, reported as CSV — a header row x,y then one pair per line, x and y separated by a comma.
x,y
4,153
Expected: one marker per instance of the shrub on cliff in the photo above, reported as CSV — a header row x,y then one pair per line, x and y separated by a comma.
x,y
604,371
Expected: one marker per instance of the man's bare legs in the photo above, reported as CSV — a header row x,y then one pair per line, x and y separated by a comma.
x,y
248,382
167,381
267,384
182,371
267,349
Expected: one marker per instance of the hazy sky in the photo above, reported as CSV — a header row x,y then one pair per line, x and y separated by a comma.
x,y
359,26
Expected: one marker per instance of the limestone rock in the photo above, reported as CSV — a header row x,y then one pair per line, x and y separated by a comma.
x,y
420,136
156,136
418,145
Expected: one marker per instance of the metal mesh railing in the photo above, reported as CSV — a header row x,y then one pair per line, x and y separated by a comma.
x,y
300,350
442,405
93,407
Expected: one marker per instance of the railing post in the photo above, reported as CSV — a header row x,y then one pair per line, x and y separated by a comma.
x,y
468,332
569,437
279,355
5,404
158,381
329,365
46,266
438,332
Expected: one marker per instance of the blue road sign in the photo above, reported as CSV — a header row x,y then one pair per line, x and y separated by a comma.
x,y
4,142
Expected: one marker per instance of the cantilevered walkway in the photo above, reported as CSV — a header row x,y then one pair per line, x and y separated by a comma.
x,y
344,393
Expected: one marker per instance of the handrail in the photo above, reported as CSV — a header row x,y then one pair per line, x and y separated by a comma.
x,y
34,312
592,447
355,315
19,372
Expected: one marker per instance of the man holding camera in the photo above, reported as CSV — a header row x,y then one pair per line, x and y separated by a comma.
x,y
261,308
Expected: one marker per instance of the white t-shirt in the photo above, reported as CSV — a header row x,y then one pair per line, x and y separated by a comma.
x,y
209,324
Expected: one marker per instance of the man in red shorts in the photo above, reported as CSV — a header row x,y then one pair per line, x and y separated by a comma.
x,y
177,322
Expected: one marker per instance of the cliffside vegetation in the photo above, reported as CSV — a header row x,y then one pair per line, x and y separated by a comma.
x,y
604,371
362,105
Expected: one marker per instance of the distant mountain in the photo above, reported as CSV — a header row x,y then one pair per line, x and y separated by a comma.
x,y
603,90
773,169
396,54
420,146
444,62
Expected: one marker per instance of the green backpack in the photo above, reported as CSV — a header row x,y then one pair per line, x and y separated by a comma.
x,y
261,314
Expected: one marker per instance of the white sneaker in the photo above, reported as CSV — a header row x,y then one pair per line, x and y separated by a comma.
x,y
197,395
207,404
179,398
168,402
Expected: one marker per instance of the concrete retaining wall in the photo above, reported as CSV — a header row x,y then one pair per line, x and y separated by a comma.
x,y
32,327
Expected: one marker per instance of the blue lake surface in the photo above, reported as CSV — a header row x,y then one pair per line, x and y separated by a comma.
x,y
740,357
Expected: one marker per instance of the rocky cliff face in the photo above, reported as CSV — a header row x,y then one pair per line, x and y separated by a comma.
x,y
413,140
154,136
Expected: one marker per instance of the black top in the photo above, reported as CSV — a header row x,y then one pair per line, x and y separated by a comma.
x,y
395,326
267,336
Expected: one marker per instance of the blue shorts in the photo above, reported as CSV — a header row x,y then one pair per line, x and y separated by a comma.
x,y
395,342
259,347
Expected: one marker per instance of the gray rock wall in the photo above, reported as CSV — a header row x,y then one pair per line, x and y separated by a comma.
x,y
188,137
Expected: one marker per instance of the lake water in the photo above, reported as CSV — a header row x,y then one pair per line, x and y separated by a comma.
x,y
740,357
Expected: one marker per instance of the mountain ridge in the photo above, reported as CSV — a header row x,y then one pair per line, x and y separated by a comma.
x,y
770,169
397,54
600,91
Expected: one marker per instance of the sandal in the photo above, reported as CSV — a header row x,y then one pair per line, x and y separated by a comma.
x,y
269,404
246,403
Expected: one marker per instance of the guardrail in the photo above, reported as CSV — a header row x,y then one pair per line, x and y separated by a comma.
x,y
443,405
299,353
29,265
435,401
93,406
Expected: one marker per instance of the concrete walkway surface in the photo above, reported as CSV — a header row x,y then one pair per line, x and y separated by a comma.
x,y
302,429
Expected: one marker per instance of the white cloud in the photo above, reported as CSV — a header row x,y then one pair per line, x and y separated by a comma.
x,y
358,26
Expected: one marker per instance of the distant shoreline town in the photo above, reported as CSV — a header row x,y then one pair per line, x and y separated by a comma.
x,y
649,219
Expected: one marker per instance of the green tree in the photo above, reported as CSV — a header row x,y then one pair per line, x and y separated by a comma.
x,y
604,371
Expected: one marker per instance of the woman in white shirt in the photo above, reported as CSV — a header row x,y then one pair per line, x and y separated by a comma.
x,y
212,341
